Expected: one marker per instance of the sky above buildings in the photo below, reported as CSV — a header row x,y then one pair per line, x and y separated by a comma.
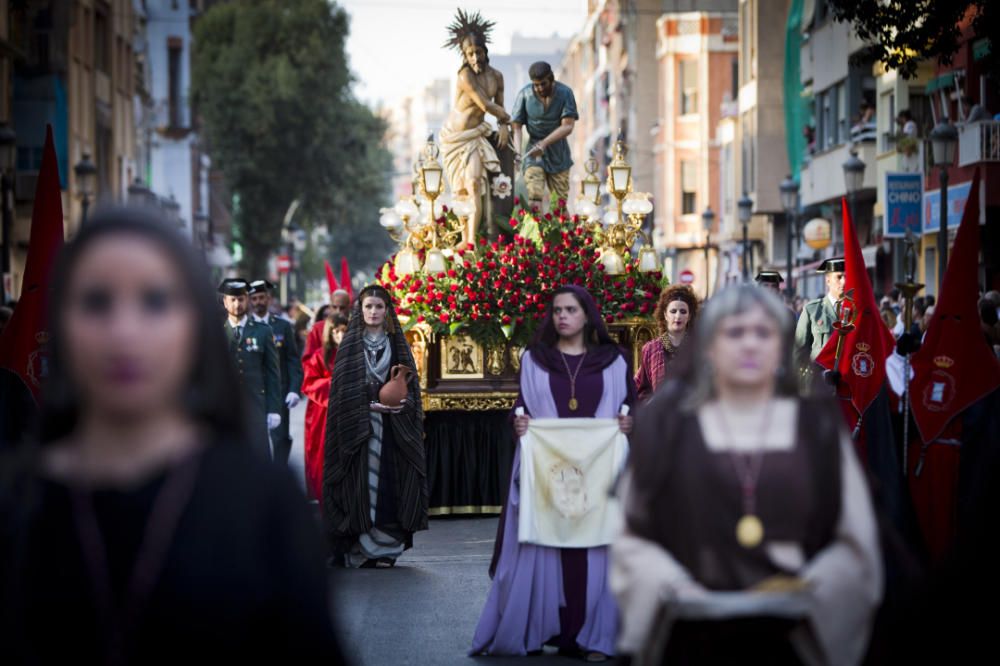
x,y
395,46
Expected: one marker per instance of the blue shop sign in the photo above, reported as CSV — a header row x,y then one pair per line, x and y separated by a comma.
x,y
904,195
957,195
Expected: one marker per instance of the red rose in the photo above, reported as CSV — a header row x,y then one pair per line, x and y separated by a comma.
x,y
453,287
630,283
609,319
505,319
644,309
443,318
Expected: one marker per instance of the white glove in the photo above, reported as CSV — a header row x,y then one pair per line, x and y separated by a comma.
x,y
273,421
292,399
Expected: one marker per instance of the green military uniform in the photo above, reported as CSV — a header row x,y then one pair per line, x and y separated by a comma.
x,y
814,329
290,362
815,325
256,360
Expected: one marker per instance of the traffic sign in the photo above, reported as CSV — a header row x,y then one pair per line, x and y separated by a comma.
x,y
284,263
686,276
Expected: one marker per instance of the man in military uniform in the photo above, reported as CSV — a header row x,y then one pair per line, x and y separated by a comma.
x,y
289,360
256,359
818,316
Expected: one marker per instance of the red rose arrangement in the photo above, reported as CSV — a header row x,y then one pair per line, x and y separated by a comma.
x,y
500,291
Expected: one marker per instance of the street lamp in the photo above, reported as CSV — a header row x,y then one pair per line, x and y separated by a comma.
x,y
944,139
86,174
619,174
590,186
139,194
854,178
173,210
433,185
707,219
8,155
790,202
745,207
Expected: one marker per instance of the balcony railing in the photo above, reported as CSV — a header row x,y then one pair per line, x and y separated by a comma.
x,y
979,142
172,114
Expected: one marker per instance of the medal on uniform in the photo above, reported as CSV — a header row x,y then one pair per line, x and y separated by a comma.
x,y
749,531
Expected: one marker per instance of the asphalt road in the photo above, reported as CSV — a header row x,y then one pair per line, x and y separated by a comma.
x,y
425,610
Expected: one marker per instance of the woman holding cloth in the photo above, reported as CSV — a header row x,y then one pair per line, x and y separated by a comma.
x,y
557,596
749,525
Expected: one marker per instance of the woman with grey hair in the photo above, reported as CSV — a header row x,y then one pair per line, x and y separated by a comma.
x,y
749,527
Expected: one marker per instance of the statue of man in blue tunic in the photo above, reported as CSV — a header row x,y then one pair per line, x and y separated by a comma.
x,y
547,109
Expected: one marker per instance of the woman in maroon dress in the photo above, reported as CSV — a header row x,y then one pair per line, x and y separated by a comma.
x,y
675,314
317,371
750,535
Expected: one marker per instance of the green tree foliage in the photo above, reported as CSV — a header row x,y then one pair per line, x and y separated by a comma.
x,y
904,32
271,82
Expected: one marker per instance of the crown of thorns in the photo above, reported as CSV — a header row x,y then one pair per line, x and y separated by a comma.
x,y
466,25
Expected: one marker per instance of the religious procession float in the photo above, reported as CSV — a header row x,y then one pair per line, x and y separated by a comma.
x,y
471,297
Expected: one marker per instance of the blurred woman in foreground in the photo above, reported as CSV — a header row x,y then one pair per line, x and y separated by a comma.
x,y
142,529
750,534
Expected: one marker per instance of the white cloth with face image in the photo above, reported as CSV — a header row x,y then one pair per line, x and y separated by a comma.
x,y
568,467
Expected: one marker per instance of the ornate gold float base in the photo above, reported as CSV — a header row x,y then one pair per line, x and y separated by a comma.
x,y
458,374
475,401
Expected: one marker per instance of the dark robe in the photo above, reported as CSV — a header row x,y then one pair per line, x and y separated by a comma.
x,y
242,580
403,494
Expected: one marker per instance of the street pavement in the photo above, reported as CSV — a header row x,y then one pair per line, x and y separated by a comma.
x,y
425,609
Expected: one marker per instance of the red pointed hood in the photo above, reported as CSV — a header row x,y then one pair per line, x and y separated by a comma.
x,y
862,361
331,281
345,277
24,340
955,367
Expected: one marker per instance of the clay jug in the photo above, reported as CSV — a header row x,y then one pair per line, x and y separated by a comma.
x,y
394,391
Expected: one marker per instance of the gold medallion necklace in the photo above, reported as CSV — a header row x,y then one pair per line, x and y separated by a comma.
x,y
573,404
749,528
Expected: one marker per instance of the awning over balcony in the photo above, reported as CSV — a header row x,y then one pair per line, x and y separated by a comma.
x,y
980,48
940,82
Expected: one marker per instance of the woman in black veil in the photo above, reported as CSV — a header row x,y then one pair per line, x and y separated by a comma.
x,y
374,472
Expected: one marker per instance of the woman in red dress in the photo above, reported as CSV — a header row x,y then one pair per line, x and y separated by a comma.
x,y
317,369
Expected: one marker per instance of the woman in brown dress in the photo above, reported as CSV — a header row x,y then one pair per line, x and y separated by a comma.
x,y
675,315
750,535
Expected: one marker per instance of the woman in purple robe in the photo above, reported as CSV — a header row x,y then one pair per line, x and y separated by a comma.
x,y
557,596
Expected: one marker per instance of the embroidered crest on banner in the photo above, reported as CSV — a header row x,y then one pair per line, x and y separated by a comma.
x,y
38,360
862,362
940,390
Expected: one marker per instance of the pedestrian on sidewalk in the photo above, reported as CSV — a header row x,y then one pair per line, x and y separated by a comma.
x,y
557,596
141,528
750,535
375,490
318,372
